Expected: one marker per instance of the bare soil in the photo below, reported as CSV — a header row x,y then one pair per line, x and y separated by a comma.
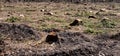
x,y
25,37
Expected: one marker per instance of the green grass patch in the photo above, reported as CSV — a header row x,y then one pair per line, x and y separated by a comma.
x,y
82,14
55,19
93,31
108,23
12,19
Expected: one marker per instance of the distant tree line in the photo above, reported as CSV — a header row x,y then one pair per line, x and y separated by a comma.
x,y
78,1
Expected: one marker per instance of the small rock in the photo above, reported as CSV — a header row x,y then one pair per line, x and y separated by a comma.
x,y
51,38
117,14
42,10
49,13
13,52
1,18
91,11
21,15
11,13
30,51
97,13
93,8
85,3
103,10
68,14
101,54
91,17
76,22
2,9
105,18
8,15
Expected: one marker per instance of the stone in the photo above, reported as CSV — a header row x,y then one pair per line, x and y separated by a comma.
x,y
105,18
21,15
117,14
103,10
68,14
49,13
42,10
1,18
91,17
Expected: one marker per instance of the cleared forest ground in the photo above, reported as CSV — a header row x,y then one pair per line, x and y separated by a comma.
x,y
22,25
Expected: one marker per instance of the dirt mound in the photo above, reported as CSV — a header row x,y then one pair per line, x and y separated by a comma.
x,y
71,43
109,37
18,32
73,37
108,44
2,46
116,36
74,44
50,30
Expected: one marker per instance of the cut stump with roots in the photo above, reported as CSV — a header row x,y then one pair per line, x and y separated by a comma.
x,y
52,37
76,22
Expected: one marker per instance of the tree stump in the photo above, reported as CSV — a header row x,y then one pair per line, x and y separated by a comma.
x,y
76,22
52,37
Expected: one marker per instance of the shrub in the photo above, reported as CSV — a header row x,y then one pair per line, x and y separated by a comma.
x,y
92,31
89,30
82,14
108,24
55,19
12,19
